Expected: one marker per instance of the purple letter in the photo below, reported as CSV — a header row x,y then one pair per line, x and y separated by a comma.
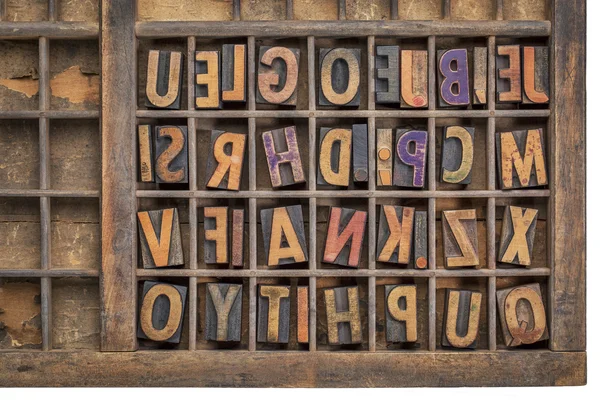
x,y
454,89
417,158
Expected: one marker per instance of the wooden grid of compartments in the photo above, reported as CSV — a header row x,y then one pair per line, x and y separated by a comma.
x,y
558,265
308,117
64,201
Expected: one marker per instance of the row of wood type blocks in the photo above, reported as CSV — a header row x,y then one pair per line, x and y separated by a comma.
x,y
401,76
521,314
401,239
343,157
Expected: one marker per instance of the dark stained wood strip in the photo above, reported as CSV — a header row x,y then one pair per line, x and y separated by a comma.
x,y
48,193
51,273
50,114
318,369
289,9
48,29
274,29
118,283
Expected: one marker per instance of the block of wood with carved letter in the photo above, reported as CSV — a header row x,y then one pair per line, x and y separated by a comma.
x,y
273,321
208,84
459,231
238,244
225,161
414,79
387,67
410,158
345,235
462,312
278,70
360,154
385,159
343,316
216,235
453,78
480,75
522,315
457,154
536,85
339,72
164,79
161,312
521,159
508,74
283,157
335,153
233,73
171,147
160,238
302,313
401,313
283,234
518,233
394,240
223,314
419,255
146,153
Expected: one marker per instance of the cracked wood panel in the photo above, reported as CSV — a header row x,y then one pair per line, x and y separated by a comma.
x,y
20,319
19,75
185,10
19,154
316,10
473,9
79,10
19,233
368,9
26,10
262,10
423,10
525,10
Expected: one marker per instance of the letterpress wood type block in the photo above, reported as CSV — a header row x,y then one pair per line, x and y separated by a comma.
x,y
536,85
462,311
345,234
420,250
518,233
453,76
303,314
283,157
414,79
164,79
387,78
208,83
459,231
360,154
233,73
457,154
339,83
522,315
160,238
225,162
480,75
518,153
161,312
237,238
277,80
335,152
216,235
508,79
394,240
273,314
401,313
384,157
146,153
223,315
283,234
171,146
343,316
410,158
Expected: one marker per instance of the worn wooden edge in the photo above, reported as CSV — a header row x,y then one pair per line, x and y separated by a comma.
x,y
343,28
48,29
568,177
288,369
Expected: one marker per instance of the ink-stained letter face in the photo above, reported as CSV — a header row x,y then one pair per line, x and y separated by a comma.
x,y
411,158
384,157
459,231
238,243
508,82
225,160
401,313
216,235
146,153
273,325
283,235
334,157
208,83
339,77
518,233
394,242
302,312
345,234
454,78
164,79
171,144
457,154
414,79
277,75
536,86
343,316
161,312
480,75
223,315
518,153
462,313
233,81
283,157
160,238
522,315
387,66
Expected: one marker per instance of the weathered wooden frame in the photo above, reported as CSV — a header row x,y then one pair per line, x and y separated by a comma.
x,y
564,363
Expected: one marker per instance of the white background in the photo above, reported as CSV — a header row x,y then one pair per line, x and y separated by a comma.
x,y
593,314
